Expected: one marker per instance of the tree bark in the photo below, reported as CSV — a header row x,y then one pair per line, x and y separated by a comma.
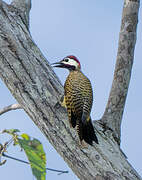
x,y
37,89
114,111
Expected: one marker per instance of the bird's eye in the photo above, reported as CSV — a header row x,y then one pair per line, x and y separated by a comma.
x,y
66,60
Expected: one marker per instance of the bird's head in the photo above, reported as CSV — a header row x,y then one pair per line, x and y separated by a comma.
x,y
69,62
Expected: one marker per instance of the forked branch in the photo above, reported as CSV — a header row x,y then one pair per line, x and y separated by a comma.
x,y
36,87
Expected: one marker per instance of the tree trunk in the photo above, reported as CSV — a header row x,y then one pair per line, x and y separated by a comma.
x,y
37,89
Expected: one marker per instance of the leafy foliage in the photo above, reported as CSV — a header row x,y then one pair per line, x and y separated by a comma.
x,y
36,155
34,151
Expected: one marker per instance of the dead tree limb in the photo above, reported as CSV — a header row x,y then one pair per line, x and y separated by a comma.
x,y
114,111
10,108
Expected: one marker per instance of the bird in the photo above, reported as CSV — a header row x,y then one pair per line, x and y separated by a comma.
x,y
78,99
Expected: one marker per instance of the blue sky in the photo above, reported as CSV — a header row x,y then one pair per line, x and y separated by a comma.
x,y
89,30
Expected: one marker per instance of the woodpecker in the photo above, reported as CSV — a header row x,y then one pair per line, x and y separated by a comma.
x,y
78,99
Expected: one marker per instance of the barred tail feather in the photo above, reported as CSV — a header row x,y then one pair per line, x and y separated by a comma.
x,y
79,130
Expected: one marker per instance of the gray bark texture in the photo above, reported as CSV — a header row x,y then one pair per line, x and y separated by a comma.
x,y
114,111
37,89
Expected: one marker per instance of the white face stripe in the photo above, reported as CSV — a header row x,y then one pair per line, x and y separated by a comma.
x,y
71,62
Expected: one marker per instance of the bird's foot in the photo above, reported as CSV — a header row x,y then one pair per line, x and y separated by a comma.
x,y
83,144
70,125
63,102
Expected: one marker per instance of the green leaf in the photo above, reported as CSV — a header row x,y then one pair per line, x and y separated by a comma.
x,y
25,136
11,131
36,155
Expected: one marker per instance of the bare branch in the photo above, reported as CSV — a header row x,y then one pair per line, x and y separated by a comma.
x,y
22,161
10,108
114,110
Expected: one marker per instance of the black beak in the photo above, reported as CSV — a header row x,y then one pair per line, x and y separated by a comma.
x,y
58,64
